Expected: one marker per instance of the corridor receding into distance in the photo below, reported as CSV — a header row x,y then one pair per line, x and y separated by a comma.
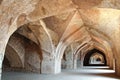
x,y
59,39
86,73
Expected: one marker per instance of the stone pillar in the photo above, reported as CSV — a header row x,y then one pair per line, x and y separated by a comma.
x,y
82,56
75,64
69,60
3,42
1,60
117,67
51,66
114,64
2,52
111,63
117,59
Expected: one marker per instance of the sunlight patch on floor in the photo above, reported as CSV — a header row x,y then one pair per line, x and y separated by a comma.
x,y
88,73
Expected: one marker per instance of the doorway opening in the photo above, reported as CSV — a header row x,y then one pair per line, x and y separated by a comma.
x,y
95,58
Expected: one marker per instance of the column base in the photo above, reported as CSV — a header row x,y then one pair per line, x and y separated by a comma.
x,y
51,66
117,69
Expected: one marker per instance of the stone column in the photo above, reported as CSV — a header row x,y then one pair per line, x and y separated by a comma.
x,y
117,67
111,63
114,64
78,63
1,60
52,66
117,55
69,60
117,58
75,64
3,43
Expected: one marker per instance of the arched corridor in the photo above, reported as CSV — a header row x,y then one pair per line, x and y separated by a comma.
x,y
59,39
95,58
86,73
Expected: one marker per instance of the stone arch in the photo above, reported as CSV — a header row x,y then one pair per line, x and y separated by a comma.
x,y
32,49
87,57
107,25
11,21
45,39
15,27
74,32
96,57
108,48
13,57
104,50
71,30
88,48
33,57
16,43
78,51
28,51
25,31
67,60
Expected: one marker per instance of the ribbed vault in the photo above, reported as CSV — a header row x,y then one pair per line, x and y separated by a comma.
x,y
56,28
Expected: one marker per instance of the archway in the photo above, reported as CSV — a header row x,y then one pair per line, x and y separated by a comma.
x,y
67,60
14,53
23,53
95,58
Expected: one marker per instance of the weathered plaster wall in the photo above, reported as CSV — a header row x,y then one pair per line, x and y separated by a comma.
x,y
54,25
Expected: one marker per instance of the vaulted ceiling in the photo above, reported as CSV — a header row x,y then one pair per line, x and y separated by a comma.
x,y
56,24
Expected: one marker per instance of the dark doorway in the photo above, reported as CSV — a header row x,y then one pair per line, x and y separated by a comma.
x,y
94,58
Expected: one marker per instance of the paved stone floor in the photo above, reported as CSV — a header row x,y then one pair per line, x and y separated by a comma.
x,y
86,73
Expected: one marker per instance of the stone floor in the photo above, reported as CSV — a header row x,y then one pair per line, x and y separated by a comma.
x,y
86,73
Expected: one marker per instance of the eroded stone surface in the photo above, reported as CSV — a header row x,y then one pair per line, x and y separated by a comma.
x,y
49,27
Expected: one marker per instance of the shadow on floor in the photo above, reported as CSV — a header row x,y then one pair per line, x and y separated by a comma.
x,y
89,73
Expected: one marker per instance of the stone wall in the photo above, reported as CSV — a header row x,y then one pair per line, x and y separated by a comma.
x,y
54,25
